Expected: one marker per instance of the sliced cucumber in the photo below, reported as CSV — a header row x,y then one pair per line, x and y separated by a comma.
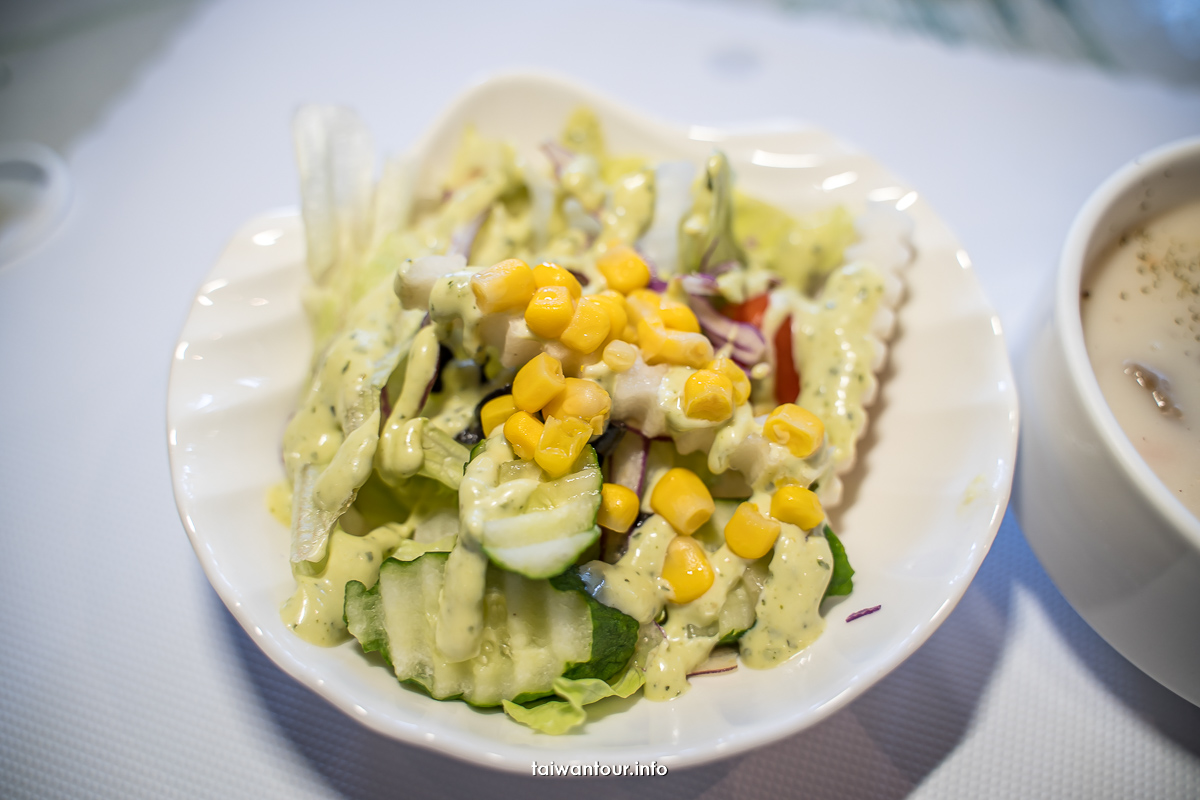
x,y
534,631
528,524
738,613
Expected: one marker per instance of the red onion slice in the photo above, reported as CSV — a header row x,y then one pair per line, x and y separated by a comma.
x,y
722,659
749,344
463,237
559,156
699,284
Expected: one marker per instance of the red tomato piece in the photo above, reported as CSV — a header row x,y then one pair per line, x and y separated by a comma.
x,y
787,379
751,311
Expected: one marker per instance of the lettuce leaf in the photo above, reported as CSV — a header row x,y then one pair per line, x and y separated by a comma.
x,y
556,717
842,581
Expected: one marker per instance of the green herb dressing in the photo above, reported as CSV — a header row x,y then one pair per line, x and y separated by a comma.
x,y
835,351
314,611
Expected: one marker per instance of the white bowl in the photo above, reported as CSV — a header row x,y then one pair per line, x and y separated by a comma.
x,y
923,507
1120,547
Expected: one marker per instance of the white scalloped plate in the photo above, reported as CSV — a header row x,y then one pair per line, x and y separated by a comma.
x,y
921,508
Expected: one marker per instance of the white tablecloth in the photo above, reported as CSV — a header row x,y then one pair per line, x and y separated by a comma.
x,y
123,675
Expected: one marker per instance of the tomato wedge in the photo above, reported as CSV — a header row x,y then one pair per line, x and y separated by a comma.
x,y
787,379
751,311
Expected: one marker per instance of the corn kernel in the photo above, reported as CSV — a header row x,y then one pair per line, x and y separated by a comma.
x,y
581,398
797,505
708,395
553,275
523,433
683,500
549,312
561,444
538,382
661,345
796,428
687,570
618,507
679,317
619,356
588,328
496,412
503,286
614,304
736,375
624,269
750,533
643,304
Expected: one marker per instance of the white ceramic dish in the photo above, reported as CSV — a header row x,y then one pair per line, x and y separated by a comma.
x,y
1122,549
922,509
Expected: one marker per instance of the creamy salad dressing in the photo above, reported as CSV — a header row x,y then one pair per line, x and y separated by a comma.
x,y
633,585
788,612
400,442
692,630
330,442
1141,323
835,352
314,611
460,619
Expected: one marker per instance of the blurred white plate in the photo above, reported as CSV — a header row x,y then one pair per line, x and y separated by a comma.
x,y
920,512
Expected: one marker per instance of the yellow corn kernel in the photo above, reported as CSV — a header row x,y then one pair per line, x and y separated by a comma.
x,y
581,398
687,570
503,286
588,328
549,312
708,395
683,500
614,304
553,275
750,533
624,269
797,505
618,507
643,304
496,412
619,356
679,317
561,444
796,428
538,382
661,345
523,433
736,375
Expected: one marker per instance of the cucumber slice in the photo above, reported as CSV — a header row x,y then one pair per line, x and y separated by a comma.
x,y
530,525
738,614
534,631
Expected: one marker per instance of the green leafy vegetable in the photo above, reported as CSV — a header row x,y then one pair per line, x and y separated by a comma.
x,y
556,717
842,581
614,635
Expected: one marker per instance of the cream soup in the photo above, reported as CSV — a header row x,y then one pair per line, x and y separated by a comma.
x,y
1140,305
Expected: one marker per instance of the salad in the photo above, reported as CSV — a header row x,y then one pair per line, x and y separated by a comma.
x,y
573,423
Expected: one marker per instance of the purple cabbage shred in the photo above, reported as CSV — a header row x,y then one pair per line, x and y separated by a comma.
x,y
864,612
